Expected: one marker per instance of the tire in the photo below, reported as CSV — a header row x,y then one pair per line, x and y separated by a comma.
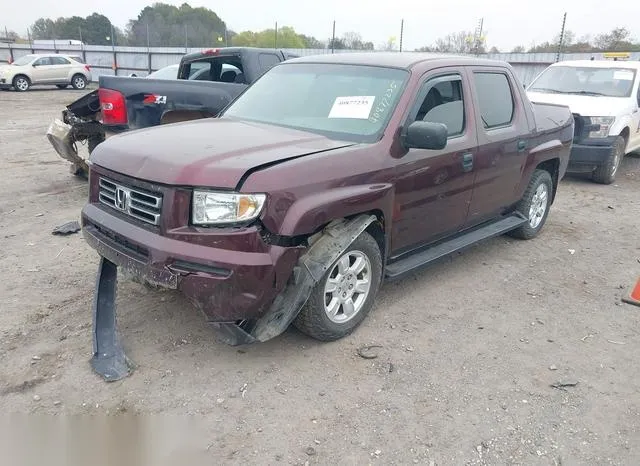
x,y
535,204
21,83
62,86
314,320
79,82
606,173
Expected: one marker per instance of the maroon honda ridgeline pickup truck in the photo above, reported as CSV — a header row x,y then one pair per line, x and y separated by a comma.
x,y
326,176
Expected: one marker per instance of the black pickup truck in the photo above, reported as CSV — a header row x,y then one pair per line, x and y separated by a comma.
x,y
207,81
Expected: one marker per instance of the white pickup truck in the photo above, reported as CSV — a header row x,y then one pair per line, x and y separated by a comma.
x,y
604,97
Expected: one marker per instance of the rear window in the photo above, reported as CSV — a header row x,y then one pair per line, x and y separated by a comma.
x,y
220,69
494,98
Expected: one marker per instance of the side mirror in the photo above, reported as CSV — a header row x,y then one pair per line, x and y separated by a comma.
x,y
426,135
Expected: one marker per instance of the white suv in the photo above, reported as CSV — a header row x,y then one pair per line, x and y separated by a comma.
x,y
53,69
604,97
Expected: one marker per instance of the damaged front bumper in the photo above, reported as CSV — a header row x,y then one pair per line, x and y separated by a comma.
x,y
244,305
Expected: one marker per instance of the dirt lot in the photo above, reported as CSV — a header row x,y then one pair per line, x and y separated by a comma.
x,y
469,349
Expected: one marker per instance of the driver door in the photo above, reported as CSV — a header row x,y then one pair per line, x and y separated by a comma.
x,y
42,72
434,187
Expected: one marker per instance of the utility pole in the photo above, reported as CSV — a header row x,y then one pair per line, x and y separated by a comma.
x,y
275,38
560,42
333,37
401,32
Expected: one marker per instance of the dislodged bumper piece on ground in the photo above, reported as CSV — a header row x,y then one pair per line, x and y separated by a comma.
x,y
108,358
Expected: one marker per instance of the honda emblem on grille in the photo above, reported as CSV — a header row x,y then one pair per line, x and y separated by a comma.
x,y
122,199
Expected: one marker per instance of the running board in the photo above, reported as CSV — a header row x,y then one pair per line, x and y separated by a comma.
x,y
417,260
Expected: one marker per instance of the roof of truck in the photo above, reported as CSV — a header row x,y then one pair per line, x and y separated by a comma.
x,y
392,59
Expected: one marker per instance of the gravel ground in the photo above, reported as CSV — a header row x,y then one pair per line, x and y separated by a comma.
x,y
468,351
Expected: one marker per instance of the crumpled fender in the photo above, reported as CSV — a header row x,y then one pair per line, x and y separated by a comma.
x,y
326,247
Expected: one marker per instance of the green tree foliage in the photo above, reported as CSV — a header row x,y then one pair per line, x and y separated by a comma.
x,y
95,29
287,38
171,26
618,40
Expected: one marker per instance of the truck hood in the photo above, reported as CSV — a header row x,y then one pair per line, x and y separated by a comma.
x,y
585,105
209,152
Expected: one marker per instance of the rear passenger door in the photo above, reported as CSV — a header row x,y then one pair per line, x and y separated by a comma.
x,y
503,137
60,68
434,187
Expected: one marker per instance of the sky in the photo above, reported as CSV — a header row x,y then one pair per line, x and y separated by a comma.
x,y
506,23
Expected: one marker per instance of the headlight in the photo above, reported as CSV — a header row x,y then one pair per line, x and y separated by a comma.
x,y
605,125
217,208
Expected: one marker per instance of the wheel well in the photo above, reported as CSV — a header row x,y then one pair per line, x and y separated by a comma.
x,y
21,76
376,229
79,74
625,134
553,167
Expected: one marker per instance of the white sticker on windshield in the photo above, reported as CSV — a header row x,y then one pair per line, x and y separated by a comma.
x,y
623,75
358,107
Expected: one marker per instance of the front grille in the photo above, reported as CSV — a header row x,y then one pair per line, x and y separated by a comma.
x,y
135,203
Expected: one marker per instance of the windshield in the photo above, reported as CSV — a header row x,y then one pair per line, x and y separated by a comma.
x,y
609,82
345,102
168,72
24,60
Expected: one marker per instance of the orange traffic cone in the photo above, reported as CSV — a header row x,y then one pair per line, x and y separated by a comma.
x,y
634,297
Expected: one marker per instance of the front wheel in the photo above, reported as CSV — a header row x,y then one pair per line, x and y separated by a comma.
x,y
606,173
344,296
535,204
21,83
79,82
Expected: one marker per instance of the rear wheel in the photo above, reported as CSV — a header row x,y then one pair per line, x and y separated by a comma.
x,y
79,82
606,173
344,296
535,205
21,83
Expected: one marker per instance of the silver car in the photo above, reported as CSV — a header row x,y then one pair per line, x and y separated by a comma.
x,y
49,69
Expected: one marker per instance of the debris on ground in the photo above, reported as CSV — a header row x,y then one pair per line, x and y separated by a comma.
x,y
365,351
310,451
563,385
67,228
553,367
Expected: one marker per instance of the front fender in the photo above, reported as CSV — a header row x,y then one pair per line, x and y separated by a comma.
x,y
309,214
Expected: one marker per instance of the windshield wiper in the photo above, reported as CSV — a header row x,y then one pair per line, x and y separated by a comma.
x,y
586,93
544,89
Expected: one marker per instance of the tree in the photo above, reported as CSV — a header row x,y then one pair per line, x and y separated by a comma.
x,y
94,29
460,42
518,49
353,41
494,49
389,45
167,25
312,42
616,40
43,28
286,38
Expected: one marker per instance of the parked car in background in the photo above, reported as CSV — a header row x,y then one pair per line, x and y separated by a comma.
x,y
45,69
207,81
604,97
326,176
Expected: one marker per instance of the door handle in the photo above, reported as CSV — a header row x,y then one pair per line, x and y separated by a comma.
x,y
467,162
522,145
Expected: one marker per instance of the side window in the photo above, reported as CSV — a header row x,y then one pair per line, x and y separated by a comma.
x,y
42,61
443,103
59,61
494,99
268,60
